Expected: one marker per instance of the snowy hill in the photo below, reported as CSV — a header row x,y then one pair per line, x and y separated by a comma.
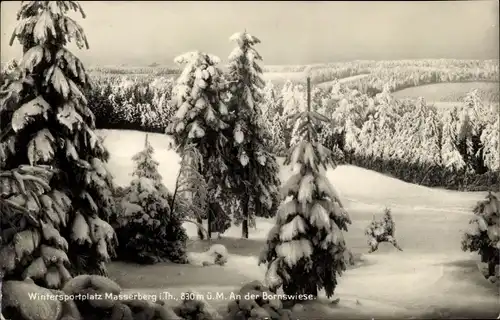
x,y
354,183
432,275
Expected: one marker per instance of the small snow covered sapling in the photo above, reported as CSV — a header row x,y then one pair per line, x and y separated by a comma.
x,y
305,249
382,231
483,234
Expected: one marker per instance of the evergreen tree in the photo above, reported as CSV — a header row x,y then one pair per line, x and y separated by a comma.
x,y
148,232
291,98
189,199
490,142
450,155
483,234
200,119
422,133
271,118
305,249
474,117
301,106
46,126
254,169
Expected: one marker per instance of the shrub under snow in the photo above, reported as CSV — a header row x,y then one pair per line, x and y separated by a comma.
x,y
217,254
257,303
382,230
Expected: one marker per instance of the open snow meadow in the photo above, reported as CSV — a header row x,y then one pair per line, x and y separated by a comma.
x,y
431,278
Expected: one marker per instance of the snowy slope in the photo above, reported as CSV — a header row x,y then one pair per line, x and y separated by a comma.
x,y
354,183
327,84
432,273
449,91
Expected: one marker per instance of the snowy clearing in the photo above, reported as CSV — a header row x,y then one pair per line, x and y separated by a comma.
x,y
277,77
327,84
431,276
446,92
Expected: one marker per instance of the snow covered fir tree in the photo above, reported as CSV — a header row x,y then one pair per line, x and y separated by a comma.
x,y
254,170
52,162
483,235
305,249
148,231
201,119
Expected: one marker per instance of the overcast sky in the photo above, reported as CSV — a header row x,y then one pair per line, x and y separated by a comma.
x,y
299,32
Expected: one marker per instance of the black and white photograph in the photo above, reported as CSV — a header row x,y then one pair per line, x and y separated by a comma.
x,y
249,160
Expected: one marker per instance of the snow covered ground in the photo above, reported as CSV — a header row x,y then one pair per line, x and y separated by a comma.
x,y
447,91
446,95
432,276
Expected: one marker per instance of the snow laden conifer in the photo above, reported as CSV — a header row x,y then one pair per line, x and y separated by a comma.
x,y
483,235
450,155
305,249
148,232
254,169
200,118
271,118
189,198
46,126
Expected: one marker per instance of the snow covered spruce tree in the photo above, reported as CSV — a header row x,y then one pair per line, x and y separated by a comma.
x,y
254,170
147,230
305,249
483,235
201,119
53,162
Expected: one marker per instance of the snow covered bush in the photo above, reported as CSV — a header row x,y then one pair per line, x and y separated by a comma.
x,y
45,124
195,309
254,171
200,118
483,234
148,231
256,302
217,254
305,249
382,230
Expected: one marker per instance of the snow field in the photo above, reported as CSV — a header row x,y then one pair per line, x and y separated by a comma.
x,y
431,273
438,91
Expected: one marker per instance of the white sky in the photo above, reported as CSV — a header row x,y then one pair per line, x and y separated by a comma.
x,y
298,32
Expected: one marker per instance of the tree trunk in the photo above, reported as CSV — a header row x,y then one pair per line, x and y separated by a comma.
x,y
244,225
210,218
200,232
491,268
